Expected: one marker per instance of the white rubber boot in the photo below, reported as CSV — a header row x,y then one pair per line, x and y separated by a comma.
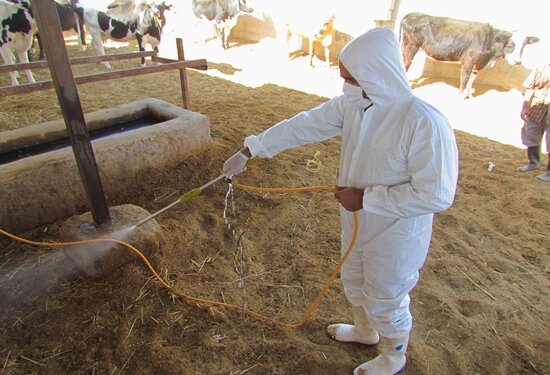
x,y
533,154
361,331
545,177
391,359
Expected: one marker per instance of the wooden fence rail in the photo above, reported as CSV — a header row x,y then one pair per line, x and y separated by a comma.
x,y
168,64
77,60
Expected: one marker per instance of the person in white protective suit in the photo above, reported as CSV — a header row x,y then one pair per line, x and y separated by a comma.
x,y
398,166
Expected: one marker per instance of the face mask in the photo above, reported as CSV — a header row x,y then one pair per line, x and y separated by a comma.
x,y
354,95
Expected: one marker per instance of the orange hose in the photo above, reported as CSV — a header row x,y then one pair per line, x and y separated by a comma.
x,y
254,314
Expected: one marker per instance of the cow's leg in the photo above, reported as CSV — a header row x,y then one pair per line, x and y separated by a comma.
x,y
469,84
413,69
288,37
227,26
225,42
7,56
81,41
216,30
40,49
97,43
326,51
17,75
24,58
79,29
156,49
217,34
311,41
409,51
32,49
467,77
327,56
327,42
141,46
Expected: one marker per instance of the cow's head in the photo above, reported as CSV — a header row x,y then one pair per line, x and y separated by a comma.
x,y
503,43
150,24
327,29
159,9
243,7
511,45
520,40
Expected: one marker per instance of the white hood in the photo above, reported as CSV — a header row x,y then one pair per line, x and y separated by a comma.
x,y
375,61
402,150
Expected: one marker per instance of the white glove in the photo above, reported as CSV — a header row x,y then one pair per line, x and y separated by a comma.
x,y
235,164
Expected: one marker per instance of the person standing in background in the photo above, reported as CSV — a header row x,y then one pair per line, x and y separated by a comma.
x,y
537,119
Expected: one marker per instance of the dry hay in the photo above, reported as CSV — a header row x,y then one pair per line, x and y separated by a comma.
x,y
481,305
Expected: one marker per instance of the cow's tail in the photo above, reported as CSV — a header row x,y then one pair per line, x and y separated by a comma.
x,y
79,20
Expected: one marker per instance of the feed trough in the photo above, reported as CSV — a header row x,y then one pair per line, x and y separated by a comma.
x,y
39,179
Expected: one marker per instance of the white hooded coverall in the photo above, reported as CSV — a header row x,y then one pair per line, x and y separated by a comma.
x,y
403,153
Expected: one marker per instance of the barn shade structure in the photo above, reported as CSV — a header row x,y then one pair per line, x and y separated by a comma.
x,y
65,84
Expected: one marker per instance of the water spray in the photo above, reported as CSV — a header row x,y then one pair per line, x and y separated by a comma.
x,y
184,198
193,193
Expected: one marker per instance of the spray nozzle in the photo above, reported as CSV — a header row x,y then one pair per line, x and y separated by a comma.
x,y
195,192
190,195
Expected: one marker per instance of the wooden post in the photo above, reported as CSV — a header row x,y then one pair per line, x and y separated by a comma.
x,y
67,94
392,12
183,75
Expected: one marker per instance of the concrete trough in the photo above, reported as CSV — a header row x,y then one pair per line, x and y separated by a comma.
x,y
46,187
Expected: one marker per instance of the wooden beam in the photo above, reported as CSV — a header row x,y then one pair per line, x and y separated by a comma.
x,y
197,64
163,60
78,60
67,94
183,74
200,64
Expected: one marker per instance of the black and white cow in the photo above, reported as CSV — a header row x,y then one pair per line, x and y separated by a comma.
x,y
17,29
475,45
69,19
222,13
122,20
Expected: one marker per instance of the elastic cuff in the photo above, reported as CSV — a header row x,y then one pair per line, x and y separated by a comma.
x,y
243,155
366,193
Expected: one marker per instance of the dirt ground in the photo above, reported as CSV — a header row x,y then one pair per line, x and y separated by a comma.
x,y
482,305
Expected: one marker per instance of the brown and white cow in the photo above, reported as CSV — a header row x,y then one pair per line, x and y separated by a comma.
x,y
323,36
16,34
475,45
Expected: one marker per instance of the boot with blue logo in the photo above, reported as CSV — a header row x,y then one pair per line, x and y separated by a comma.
x,y
391,359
